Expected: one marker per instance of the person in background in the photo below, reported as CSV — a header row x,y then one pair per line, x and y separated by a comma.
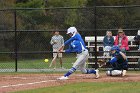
x,y
122,41
137,39
108,42
57,41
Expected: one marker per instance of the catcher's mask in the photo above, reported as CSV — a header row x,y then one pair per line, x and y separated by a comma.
x,y
115,49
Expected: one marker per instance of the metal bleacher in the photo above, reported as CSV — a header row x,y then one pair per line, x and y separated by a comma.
x,y
133,54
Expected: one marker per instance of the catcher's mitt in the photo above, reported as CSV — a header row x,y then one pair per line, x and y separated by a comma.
x,y
101,62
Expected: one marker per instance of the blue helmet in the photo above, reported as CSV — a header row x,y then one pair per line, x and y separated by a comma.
x,y
115,48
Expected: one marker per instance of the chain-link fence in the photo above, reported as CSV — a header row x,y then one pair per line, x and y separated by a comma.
x,y
26,33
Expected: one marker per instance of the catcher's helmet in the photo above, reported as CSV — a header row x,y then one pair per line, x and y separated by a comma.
x,y
115,48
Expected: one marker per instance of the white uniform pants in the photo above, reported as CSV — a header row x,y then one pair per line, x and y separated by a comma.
x,y
113,72
80,63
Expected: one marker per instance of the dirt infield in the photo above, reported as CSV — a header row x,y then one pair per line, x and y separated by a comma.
x,y
10,83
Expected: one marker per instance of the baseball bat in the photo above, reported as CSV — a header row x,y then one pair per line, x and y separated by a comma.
x,y
53,60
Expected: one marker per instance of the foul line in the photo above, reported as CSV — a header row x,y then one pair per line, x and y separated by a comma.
x,y
26,84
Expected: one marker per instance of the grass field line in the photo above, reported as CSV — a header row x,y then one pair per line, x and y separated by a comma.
x,y
24,84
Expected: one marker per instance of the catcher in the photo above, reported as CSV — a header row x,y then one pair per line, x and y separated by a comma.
x,y
118,62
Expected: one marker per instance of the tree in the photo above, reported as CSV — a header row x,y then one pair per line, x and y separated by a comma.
x,y
67,17
32,19
6,24
111,18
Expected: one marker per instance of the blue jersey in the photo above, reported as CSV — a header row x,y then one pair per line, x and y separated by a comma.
x,y
76,44
118,62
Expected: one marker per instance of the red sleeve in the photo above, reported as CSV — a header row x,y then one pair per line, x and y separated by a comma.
x,y
116,40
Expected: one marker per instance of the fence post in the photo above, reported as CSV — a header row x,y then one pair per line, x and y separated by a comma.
x,y
96,66
15,30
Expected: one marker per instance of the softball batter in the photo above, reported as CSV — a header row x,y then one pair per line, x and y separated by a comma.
x,y
76,44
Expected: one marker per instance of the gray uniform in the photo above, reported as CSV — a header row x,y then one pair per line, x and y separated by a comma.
x,y
59,42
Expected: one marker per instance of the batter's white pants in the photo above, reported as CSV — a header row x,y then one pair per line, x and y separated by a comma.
x,y
80,63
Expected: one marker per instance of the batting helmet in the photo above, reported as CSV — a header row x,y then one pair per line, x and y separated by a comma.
x,y
71,30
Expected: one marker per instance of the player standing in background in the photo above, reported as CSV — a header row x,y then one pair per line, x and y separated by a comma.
x,y
76,44
57,41
118,62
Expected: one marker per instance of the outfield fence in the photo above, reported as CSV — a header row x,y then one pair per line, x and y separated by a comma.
x,y
25,33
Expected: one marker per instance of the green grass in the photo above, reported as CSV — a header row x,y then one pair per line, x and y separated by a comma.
x,y
90,87
35,63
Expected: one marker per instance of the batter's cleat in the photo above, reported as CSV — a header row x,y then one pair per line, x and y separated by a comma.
x,y
123,72
97,74
63,78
